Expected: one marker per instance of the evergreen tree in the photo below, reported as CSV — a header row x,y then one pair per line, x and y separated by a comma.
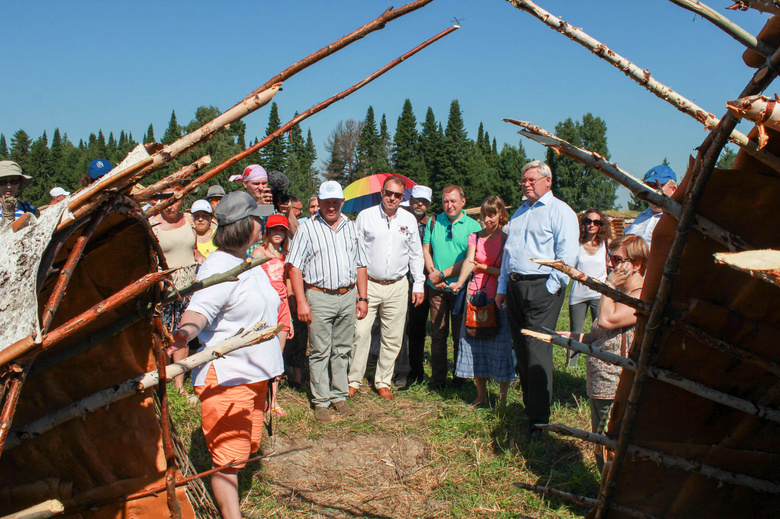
x,y
40,169
297,165
20,149
173,132
386,150
577,185
369,149
273,154
510,161
407,159
311,157
457,151
432,154
726,160
149,136
3,147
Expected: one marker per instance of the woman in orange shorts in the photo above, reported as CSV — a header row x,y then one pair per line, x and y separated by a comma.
x,y
232,388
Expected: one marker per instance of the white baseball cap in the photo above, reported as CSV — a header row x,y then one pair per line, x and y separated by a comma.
x,y
58,191
201,205
330,189
422,192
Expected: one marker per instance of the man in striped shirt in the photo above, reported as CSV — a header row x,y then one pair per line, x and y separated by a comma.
x,y
326,259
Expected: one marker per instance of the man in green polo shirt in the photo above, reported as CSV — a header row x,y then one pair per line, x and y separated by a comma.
x,y
444,249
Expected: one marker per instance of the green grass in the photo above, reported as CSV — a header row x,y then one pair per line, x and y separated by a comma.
x,y
474,454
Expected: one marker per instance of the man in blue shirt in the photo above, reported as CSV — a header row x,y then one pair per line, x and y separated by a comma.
x,y
545,228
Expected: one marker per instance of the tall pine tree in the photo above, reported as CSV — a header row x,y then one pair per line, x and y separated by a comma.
x,y
369,149
273,156
173,132
149,136
3,147
407,157
432,154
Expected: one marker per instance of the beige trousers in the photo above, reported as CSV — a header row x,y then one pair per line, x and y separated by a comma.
x,y
390,302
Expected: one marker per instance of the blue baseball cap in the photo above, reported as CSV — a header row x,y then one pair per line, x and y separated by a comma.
x,y
99,167
661,174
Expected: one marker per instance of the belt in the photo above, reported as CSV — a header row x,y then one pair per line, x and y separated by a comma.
x,y
339,291
388,282
526,277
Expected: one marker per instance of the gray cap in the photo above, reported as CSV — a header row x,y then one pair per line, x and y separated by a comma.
x,y
237,205
215,191
9,168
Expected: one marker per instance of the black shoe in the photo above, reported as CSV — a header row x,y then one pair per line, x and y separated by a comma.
x,y
458,382
401,382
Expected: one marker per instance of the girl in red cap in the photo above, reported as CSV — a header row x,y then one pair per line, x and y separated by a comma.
x,y
274,247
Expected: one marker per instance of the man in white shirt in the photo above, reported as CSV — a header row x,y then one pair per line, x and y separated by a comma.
x,y
546,228
660,178
392,244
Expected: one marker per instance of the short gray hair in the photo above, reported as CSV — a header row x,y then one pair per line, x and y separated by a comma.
x,y
543,168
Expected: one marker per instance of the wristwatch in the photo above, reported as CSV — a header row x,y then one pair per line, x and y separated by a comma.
x,y
363,299
441,275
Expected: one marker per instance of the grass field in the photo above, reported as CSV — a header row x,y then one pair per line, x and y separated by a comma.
x,y
422,455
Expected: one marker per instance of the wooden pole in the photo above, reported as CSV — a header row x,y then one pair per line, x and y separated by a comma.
x,y
714,342
730,240
44,510
18,376
58,292
288,126
165,419
139,384
580,500
644,78
760,264
227,276
764,6
703,166
726,25
664,375
600,287
126,294
182,174
669,460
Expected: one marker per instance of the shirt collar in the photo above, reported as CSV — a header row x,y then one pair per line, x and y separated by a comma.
x,y
544,200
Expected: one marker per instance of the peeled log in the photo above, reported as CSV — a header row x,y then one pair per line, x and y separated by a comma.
x,y
761,264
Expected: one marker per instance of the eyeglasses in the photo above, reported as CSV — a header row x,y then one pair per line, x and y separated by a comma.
x,y
10,181
201,216
588,221
529,182
393,194
618,259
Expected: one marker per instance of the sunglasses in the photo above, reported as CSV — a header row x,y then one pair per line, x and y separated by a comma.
x,y
618,259
588,221
449,232
10,181
393,194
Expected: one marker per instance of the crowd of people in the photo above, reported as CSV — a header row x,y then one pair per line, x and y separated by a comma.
x,y
328,279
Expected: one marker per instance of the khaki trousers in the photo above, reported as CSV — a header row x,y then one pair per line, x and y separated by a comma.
x,y
390,302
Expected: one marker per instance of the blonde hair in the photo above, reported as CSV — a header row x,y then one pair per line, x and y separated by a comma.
x,y
636,249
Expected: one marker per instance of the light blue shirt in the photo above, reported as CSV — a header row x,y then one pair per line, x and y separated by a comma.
x,y
548,229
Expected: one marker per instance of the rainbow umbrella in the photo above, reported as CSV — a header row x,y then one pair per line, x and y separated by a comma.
x,y
365,192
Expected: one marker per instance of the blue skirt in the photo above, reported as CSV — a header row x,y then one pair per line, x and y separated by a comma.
x,y
487,358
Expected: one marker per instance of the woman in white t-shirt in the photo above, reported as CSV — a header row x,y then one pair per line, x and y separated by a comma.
x,y
232,388
591,260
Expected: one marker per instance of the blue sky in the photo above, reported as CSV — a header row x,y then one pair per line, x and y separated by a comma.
x,y
88,65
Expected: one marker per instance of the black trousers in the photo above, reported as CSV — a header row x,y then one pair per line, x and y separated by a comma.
x,y
530,305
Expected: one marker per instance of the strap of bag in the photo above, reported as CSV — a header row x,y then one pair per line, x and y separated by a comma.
x,y
496,261
623,345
